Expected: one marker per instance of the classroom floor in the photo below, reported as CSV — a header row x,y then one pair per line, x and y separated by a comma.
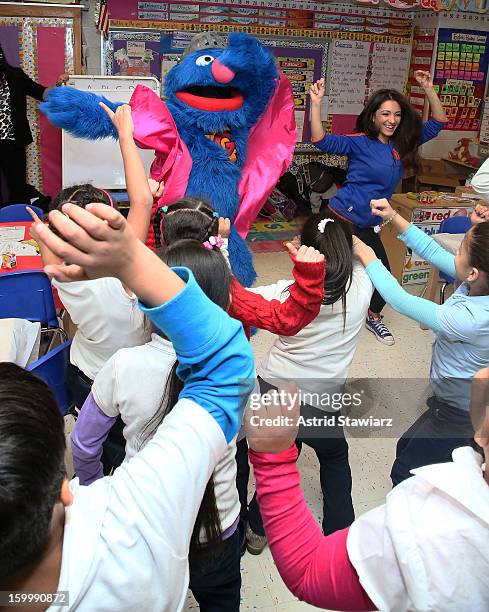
x,y
371,459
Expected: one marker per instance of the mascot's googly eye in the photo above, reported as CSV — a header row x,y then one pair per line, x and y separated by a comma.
x,y
204,60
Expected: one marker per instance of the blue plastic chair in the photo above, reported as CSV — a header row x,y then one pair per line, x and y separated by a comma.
x,y
27,294
52,370
18,212
452,225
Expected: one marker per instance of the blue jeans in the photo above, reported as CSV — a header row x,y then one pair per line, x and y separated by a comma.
x,y
215,581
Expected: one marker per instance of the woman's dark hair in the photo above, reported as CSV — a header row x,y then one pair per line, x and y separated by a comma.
x,y
406,138
213,275
32,469
477,244
186,218
81,195
336,244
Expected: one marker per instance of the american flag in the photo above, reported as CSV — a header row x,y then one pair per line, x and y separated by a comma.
x,y
102,22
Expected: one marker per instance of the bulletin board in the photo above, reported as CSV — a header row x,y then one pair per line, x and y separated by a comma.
x,y
133,54
357,69
462,58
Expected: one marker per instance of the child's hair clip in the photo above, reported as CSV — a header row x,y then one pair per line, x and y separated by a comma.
x,y
164,209
215,214
322,224
214,242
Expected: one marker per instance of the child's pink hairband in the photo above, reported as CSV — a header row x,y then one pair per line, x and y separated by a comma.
x,y
214,242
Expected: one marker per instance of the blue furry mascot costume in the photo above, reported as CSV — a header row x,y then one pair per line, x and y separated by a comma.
x,y
225,131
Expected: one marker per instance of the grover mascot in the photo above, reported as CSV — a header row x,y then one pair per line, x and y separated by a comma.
x,y
225,133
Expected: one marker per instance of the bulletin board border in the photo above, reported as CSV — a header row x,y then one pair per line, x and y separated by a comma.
x,y
139,24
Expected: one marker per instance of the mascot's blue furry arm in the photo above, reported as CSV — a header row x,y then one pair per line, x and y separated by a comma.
x,y
79,113
216,95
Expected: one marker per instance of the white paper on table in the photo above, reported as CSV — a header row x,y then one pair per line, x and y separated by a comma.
x,y
12,232
18,248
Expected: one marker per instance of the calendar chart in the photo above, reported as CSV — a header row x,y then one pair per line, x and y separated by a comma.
x,y
460,75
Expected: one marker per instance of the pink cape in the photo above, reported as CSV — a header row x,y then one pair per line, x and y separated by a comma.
x,y
270,150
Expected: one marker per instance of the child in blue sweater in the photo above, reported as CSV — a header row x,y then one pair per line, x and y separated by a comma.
x,y
384,146
461,327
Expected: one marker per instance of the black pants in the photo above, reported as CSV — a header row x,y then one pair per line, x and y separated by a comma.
x,y
215,581
431,439
13,168
78,386
367,235
331,449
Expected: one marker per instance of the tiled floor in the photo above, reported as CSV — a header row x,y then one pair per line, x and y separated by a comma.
x,y
370,459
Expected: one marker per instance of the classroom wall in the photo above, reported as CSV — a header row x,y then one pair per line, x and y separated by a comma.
x,y
447,140
92,40
440,147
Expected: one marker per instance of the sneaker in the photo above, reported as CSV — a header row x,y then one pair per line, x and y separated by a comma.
x,y
379,330
254,543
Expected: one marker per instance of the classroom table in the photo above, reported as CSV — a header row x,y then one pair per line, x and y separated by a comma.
x,y
29,262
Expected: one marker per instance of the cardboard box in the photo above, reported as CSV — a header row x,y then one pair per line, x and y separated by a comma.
x,y
435,173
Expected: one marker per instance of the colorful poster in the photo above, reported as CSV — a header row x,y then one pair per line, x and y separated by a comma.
x,y
303,63
134,54
460,75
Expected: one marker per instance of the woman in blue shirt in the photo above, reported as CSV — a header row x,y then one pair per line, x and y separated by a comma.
x,y
387,135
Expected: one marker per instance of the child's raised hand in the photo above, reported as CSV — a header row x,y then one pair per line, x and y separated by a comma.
x,y
316,91
479,214
305,253
96,242
122,119
156,188
283,406
35,218
224,227
382,208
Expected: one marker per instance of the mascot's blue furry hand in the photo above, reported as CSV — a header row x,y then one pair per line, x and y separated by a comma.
x,y
79,113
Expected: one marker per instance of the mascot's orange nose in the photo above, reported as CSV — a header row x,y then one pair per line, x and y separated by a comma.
x,y
221,73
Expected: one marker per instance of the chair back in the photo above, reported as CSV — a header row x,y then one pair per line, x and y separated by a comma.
x,y
455,225
27,294
18,212
52,370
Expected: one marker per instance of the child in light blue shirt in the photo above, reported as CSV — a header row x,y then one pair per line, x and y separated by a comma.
x,y
461,327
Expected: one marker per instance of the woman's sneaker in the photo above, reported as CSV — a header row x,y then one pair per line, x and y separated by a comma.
x,y
379,330
254,543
